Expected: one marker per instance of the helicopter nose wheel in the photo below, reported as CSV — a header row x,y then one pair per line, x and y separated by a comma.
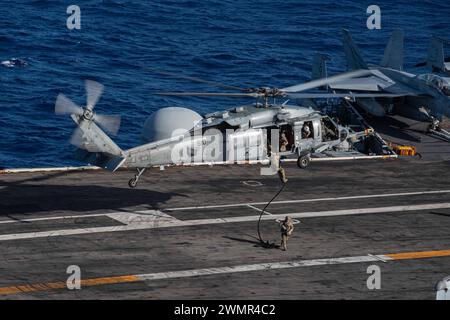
x,y
133,182
303,161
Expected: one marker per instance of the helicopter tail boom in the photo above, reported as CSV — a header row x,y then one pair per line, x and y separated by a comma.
x,y
95,147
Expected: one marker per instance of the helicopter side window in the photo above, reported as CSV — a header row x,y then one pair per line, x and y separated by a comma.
x,y
307,130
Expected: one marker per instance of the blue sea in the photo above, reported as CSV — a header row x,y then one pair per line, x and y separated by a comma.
x,y
241,43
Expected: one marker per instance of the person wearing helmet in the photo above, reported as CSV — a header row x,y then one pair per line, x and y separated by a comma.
x,y
287,227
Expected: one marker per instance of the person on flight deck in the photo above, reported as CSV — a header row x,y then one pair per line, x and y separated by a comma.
x,y
287,227
306,132
283,141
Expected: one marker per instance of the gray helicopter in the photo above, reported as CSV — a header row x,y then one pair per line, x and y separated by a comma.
x,y
180,136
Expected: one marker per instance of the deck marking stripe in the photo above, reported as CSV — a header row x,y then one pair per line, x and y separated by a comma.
x,y
122,217
224,270
61,285
55,218
253,267
418,255
232,205
155,221
109,280
258,209
381,258
313,200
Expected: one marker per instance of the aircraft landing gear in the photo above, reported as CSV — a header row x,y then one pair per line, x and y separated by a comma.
x,y
133,182
434,125
303,161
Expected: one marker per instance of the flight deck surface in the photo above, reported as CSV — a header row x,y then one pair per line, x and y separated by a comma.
x,y
191,233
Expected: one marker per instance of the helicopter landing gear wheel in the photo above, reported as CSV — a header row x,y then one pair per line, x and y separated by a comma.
x,y
133,182
303,161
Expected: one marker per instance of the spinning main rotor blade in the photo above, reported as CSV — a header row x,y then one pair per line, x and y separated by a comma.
x,y
324,81
344,95
64,105
274,92
194,79
210,94
109,123
93,92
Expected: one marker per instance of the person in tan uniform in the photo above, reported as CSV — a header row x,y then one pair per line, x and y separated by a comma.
x,y
287,227
283,141
306,131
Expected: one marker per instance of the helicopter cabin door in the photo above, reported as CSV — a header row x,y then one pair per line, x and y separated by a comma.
x,y
330,131
286,136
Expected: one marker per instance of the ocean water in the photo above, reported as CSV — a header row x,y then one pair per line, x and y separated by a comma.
x,y
242,43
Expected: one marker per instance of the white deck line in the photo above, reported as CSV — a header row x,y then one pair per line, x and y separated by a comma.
x,y
119,216
402,194
345,158
258,209
157,220
258,267
250,205
54,218
55,169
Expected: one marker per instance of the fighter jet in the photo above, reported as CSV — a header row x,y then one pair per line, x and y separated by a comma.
x,y
174,135
423,97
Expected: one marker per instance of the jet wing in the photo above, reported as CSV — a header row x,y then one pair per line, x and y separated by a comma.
x,y
378,84
361,84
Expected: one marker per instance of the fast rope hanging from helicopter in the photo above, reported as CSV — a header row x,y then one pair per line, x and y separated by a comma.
x,y
266,244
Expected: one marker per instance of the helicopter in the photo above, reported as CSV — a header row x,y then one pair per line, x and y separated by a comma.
x,y
179,136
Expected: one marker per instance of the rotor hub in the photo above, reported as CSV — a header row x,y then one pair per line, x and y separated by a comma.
x,y
88,114
266,92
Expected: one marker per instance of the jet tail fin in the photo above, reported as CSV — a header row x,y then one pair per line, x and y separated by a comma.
x,y
393,54
354,58
95,147
435,58
319,66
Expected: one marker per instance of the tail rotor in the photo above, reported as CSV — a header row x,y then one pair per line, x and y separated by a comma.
x,y
85,115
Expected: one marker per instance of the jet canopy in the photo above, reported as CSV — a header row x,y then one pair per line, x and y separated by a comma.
x,y
434,81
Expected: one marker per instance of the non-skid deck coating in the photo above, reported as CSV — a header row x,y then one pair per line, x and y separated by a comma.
x,y
191,232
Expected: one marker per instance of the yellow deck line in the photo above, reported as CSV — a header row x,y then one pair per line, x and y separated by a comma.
x,y
110,280
135,278
418,255
62,285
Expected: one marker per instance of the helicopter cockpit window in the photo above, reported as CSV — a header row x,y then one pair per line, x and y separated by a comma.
x,y
329,129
